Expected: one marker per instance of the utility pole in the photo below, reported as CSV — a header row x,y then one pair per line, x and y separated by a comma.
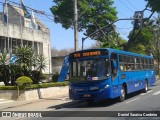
x,y
75,26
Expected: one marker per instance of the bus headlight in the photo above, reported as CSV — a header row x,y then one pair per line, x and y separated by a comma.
x,y
107,86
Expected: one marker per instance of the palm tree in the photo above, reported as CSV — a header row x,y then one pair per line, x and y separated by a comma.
x,y
24,58
4,68
40,64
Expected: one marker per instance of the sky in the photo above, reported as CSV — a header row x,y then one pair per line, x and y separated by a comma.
x,y
64,39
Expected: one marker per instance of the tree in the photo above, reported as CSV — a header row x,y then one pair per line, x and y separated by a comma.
x,y
155,43
40,61
4,68
62,52
93,15
114,41
154,5
24,56
139,41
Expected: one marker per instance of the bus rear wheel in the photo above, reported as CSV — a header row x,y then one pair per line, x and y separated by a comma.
x,y
145,89
123,94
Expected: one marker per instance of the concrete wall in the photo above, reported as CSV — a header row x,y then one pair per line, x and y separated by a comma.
x,y
57,63
34,94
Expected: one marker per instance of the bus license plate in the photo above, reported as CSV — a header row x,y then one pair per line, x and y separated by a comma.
x,y
87,95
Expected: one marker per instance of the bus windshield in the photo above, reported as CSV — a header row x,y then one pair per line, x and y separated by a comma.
x,y
89,70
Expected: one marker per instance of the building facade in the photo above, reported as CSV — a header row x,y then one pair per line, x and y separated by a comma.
x,y
57,62
19,31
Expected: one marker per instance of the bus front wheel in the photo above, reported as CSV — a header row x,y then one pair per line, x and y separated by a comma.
x,y
123,94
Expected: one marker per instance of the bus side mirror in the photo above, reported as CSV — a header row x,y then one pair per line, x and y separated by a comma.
x,y
114,64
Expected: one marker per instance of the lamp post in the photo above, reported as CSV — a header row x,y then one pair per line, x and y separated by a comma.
x,y
83,39
75,26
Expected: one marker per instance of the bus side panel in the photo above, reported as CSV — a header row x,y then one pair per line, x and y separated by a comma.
x,y
151,79
116,90
134,80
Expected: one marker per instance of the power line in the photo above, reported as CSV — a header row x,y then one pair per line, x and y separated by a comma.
x,y
125,5
30,9
125,28
131,4
38,12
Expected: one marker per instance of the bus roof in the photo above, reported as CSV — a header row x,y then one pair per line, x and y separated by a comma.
x,y
116,51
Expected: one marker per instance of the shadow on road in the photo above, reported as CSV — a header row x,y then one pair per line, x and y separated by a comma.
x,y
104,103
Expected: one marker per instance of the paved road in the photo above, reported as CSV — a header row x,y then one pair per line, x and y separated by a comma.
x,y
138,101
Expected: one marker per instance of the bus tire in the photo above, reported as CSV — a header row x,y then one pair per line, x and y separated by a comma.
x,y
123,94
145,86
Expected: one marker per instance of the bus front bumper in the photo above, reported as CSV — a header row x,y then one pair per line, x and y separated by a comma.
x,y
96,95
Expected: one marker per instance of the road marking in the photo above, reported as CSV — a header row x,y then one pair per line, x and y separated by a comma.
x,y
6,101
146,93
132,100
156,93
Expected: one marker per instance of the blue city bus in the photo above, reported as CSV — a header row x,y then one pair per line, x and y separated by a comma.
x,y
98,74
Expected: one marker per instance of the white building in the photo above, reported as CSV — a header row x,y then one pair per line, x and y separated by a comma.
x,y
19,31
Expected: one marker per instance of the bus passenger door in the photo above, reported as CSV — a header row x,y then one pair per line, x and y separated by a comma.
x,y
114,75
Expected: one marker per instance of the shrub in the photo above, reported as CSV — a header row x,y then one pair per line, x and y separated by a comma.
x,y
35,86
43,76
23,81
8,88
36,76
55,77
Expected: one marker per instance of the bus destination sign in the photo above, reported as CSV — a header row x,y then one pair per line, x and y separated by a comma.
x,y
86,54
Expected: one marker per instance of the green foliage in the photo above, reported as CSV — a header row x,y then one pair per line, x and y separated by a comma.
x,y
140,42
43,76
23,81
8,87
23,66
4,68
35,86
55,77
154,5
93,15
139,48
24,55
41,63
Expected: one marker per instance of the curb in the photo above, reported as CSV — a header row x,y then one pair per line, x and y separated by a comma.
x,y
67,104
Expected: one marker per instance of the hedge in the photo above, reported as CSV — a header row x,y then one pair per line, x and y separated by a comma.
x,y
35,86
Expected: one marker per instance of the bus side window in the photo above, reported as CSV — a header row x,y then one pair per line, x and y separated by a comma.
x,y
122,62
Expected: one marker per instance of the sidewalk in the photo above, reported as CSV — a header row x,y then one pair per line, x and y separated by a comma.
x,y
157,81
54,101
